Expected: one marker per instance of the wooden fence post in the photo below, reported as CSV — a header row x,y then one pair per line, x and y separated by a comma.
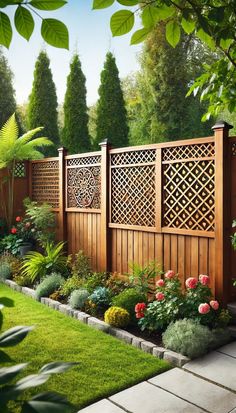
x,y
62,213
222,211
105,256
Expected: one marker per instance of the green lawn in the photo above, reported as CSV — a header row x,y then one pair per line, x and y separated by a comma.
x,y
106,365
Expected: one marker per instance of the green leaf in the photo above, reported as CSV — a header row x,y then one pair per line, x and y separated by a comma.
x,y
172,33
165,12
56,367
102,4
47,4
55,33
9,373
188,25
5,30
225,43
32,380
47,402
24,22
128,2
14,336
150,16
140,35
121,22
206,38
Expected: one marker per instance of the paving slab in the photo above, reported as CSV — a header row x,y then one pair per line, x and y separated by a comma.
x,y
104,406
229,349
146,398
196,390
217,367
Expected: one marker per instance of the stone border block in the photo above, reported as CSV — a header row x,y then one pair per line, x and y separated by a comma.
x,y
54,304
136,342
122,335
175,358
158,352
65,309
147,346
29,291
13,285
83,317
98,324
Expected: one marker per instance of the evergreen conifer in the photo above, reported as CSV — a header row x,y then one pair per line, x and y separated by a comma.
x,y
7,93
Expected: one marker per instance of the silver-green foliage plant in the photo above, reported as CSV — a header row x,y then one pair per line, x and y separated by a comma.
x,y
5,271
187,337
78,298
46,402
49,285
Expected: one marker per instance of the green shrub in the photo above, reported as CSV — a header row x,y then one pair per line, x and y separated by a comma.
x,y
50,284
78,298
79,265
5,271
42,219
117,317
97,279
128,299
187,337
37,266
142,278
220,337
71,284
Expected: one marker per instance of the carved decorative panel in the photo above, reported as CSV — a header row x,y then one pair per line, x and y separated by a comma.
x,y
189,195
19,171
89,160
45,182
133,157
84,187
203,150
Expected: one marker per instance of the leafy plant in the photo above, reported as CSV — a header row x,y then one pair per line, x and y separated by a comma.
x,y
37,266
100,300
49,285
71,284
42,219
142,278
14,149
78,298
79,265
5,271
128,299
187,337
117,317
44,402
10,244
97,279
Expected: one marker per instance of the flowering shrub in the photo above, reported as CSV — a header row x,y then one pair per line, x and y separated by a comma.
x,y
171,304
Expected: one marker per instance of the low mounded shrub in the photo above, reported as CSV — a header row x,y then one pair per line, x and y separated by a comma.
x,y
128,299
50,284
187,337
78,298
101,297
5,271
71,284
117,317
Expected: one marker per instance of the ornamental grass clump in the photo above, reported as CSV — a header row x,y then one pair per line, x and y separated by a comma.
x,y
78,298
50,284
187,337
117,317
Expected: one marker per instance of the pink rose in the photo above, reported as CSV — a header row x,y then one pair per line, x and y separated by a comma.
x,y
160,296
204,308
160,283
191,282
169,274
214,304
204,279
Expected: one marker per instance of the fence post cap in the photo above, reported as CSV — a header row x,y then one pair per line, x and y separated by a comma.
x,y
104,143
61,149
221,124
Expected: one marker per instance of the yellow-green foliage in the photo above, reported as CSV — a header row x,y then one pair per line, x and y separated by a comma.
x,y
117,317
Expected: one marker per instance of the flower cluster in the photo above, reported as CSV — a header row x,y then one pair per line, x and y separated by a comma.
x,y
139,310
22,229
202,284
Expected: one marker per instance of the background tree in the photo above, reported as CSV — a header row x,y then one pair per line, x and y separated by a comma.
x,y
7,93
75,135
111,111
42,108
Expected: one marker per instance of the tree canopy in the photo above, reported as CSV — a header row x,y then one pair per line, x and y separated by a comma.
x,y
7,93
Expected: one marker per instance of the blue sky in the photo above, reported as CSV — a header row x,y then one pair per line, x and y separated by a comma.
x,y
90,33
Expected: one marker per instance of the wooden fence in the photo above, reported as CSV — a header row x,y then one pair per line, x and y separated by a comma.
x,y
171,202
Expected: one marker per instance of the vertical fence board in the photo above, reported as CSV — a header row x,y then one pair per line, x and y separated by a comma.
x,y
203,256
167,252
181,258
174,253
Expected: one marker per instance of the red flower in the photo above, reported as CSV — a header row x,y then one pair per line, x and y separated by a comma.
x,y
140,315
140,307
160,296
18,219
13,230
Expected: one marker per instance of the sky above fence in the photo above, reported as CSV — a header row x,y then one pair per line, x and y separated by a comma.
x,y
89,34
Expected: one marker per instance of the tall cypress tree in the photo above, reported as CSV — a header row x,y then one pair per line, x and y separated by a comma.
x,y
7,93
111,111
75,135
42,109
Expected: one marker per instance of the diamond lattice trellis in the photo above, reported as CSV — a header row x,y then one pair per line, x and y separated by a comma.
x,y
133,157
45,182
88,160
19,171
189,195
175,153
133,195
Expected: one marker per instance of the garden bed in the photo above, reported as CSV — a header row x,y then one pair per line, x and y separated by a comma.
x,y
105,367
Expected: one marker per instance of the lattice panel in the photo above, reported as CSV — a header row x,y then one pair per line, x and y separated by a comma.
x,y
45,182
133,195
134,157
189,195
84,187
89,160
203,150
19,171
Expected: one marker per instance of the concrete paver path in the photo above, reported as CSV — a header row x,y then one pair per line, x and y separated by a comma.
x,y
207,384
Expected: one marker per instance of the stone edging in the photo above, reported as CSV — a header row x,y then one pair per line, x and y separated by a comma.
x,y
147,346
